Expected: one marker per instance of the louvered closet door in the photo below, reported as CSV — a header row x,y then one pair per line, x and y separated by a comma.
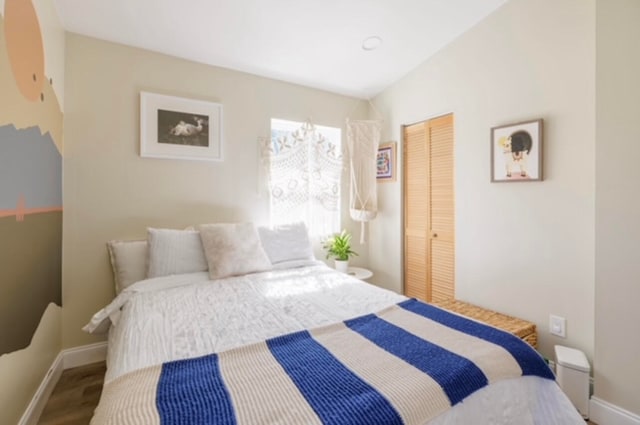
x,y
429,262
415,211
441,208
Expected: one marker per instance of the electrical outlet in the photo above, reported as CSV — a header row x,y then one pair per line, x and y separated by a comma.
x,y
558,326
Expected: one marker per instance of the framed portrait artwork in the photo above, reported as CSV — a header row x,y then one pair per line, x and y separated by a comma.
x,y
516,152
386,162
180,128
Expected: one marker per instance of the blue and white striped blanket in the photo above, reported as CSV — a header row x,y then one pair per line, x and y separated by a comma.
x,y
404,365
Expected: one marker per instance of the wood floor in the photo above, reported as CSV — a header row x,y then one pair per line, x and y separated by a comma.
x,y
77,394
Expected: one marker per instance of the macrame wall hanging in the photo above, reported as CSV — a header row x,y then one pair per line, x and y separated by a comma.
x,y
363,138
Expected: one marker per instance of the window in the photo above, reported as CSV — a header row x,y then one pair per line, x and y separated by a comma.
x,y
305,170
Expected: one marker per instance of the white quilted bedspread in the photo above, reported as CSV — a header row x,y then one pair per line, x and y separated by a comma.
x,y
183,316
176,317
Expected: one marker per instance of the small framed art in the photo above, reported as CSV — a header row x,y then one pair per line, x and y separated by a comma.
x,y
516,152
179,128
386,162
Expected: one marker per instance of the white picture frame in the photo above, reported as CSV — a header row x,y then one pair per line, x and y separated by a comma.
x,y
516,152
386,162
179,128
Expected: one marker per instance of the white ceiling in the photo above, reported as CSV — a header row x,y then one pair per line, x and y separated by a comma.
x,y
316,43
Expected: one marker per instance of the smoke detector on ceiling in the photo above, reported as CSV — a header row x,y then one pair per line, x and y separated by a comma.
x,y
371,43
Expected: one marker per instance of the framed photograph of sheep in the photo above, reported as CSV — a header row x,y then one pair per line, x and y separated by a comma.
x,y
516,152
179,128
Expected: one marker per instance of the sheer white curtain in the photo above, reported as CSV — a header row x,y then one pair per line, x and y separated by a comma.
x,y
305,168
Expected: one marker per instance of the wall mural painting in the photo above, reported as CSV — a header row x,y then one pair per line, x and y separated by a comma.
x,y
30,179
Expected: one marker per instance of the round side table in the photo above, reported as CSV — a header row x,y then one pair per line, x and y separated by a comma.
x,y
359,273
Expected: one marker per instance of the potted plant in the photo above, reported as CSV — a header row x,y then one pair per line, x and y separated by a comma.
x,y
339,247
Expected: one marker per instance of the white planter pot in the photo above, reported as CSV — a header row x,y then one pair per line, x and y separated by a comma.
x,y
342,266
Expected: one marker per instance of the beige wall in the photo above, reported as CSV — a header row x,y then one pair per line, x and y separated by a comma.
x,y
617,345
112,193
525,249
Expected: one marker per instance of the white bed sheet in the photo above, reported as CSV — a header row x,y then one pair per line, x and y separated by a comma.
x,y
177,317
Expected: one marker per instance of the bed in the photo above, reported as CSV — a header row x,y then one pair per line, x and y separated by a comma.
x,y
300,343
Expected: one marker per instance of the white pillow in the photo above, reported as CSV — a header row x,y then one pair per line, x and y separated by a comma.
x,y
128,261
174,252
233,249
287,242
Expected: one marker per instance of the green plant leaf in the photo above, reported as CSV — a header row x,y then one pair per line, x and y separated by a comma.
x,y
339,246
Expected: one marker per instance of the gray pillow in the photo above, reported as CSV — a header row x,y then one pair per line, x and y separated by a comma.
x,y
128,261
174,252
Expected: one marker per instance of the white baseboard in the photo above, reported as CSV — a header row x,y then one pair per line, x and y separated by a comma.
x,y
605,413
39,400
84,355
66,359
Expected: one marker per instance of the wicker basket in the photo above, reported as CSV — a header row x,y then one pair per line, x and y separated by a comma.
x,y
518,327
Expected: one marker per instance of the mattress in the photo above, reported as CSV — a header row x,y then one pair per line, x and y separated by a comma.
x,y
186,316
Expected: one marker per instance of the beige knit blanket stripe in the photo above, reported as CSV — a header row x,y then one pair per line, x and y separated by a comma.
x,y
398,381
130,399
494,361
261,390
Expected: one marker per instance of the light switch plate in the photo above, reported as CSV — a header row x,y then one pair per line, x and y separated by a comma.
x,y
558,326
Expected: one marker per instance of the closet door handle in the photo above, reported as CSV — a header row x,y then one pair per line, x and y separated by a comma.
x,y
435,235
